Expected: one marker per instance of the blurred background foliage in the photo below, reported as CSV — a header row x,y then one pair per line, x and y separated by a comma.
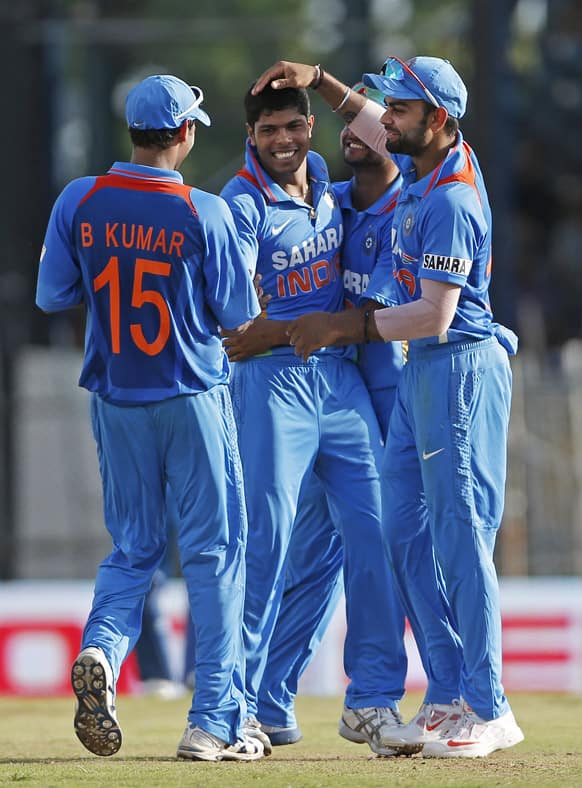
x,y
72,61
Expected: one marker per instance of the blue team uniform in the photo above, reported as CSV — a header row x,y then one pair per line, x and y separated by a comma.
x,y
367,248
158,267
444,466
296,418
313,576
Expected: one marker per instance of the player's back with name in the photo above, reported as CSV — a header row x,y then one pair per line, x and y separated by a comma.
x,y
153,257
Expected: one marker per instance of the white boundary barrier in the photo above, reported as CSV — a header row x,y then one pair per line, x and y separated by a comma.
x,y
41,623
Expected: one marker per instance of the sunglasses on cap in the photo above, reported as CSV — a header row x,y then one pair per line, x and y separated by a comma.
x,y
371,93
394,68
197,101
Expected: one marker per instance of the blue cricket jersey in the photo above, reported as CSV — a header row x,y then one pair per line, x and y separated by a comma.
x,y
367,248
442,231
158,266
294,246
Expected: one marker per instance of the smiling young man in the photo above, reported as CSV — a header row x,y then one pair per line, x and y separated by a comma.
x,y
313,573
296,417
443,475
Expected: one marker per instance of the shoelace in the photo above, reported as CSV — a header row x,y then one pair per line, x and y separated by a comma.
x,y
463,729
395,715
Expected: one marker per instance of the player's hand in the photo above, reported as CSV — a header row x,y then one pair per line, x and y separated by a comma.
x,y
285,74
261,336
310,332
261,295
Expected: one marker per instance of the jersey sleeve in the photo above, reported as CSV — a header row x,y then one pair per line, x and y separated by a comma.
x,y
229,287
453,231
247,220
381,287
59,282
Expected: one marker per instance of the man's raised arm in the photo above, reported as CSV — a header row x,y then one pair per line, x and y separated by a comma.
x,y
285,74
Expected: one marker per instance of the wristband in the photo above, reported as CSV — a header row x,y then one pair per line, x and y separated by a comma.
x,y
343,101
318,78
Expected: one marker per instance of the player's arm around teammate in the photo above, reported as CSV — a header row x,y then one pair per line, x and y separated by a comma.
x,y
446,449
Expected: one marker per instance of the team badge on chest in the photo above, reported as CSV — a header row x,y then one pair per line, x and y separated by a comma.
x,y
408,223
369,243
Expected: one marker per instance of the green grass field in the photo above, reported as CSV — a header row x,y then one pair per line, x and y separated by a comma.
x,y
38,748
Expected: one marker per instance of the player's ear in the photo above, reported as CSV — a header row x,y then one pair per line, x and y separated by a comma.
x,y
440,116
183,131
311,123
250,133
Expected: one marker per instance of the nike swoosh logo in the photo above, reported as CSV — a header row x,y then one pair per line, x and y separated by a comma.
x,y
452,743
435,726
280,228
426,455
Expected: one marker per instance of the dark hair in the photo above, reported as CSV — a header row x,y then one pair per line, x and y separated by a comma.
x,y
451,126
154,138
271,100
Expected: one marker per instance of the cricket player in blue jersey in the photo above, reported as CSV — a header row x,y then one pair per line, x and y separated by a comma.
x,y
313,574
444,467
296,417
157,266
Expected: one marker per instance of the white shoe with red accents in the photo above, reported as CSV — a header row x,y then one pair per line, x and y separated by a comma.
x,y
474,737
432,722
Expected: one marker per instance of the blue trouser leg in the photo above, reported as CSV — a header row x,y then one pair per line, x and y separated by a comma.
x,y
151,649
452,413
133,500
420,585
277,424
464,526
313,587
211,539
291,414
191,443
190,650
351,443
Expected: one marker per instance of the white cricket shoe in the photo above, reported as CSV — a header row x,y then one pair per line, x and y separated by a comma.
x,y
473,737
199,745
432,723
254,730
95,722
376,727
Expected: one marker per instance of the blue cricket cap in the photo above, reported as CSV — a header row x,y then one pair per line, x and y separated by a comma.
x,y
163,102
428,78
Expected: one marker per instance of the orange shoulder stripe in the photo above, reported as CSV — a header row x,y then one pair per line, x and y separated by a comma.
x,y
141,185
